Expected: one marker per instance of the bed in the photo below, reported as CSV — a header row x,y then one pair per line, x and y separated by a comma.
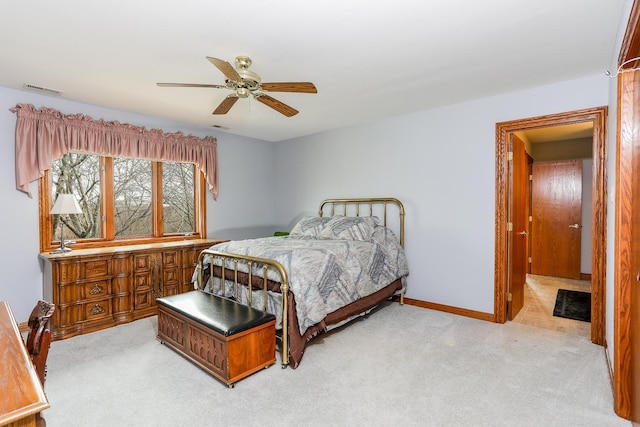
x,y
330,269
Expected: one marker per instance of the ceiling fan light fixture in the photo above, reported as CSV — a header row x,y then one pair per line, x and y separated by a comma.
x,y
244,83
250,79
243,92
249,75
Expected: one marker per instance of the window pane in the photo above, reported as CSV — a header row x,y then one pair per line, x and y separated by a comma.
x,y
78,174
132,194
177,197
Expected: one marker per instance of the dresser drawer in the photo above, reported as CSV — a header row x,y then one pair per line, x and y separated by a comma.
x,y
170,259
69,272
96,268
142,262
74,271
67,315
97,289
69,293
97,309
142,282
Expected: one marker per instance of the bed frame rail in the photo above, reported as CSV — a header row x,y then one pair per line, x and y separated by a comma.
x,y
250,262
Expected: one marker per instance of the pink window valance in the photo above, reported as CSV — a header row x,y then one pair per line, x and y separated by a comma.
x,y
45,135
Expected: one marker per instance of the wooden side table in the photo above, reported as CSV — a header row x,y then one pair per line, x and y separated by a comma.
x,y
22,394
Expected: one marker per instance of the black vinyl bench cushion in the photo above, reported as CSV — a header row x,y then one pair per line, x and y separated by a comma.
x,y
222,315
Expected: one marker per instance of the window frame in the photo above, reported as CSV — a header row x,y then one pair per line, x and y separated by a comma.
x,y
47,244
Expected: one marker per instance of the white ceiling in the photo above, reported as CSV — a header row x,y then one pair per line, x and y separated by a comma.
x,y
369,59
558,133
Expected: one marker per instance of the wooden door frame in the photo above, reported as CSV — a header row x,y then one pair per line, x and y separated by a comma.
x,y
598,116
624,275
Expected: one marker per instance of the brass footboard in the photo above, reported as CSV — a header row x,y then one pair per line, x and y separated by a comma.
x,y
250,262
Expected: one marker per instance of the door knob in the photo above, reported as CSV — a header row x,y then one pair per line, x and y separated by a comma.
x,y
523,233
574,226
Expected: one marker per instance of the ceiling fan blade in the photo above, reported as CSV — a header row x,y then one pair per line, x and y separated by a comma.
x,y
226,105
226,68
304,87
277,105
191,85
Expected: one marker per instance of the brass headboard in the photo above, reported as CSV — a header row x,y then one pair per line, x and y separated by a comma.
x,y
356,203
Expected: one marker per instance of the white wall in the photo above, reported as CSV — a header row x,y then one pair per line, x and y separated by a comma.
x,y
245,206
240,159
441,164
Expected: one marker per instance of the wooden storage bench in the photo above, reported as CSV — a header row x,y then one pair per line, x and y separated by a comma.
x,y
226,339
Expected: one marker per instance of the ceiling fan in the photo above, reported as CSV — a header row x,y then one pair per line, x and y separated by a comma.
x,y
245,82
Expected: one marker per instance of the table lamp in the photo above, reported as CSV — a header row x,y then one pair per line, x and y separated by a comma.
x,y
65,204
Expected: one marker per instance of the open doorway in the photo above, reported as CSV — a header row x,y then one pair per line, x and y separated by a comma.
x,y
558,193
596,118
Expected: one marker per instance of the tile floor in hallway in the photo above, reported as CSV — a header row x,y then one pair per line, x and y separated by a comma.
x,y
540,298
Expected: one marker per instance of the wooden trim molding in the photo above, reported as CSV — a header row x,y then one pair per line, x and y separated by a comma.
x,y
627,120
598,268
489,317
631,43
628,115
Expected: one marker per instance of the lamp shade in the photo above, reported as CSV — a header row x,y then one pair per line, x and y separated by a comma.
x,y
66,204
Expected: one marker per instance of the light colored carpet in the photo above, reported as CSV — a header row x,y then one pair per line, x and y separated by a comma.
x,y
401,366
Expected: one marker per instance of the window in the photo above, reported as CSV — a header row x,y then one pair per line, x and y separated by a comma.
x,y
77,174
177,204
132,197
122,200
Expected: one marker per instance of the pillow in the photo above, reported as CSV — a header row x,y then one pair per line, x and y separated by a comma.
x,y
383,235
350,228
310,226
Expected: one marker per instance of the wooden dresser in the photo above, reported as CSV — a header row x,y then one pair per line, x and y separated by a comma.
x,y
98,288
21,394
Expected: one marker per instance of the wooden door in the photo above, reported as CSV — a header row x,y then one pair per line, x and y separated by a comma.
x,y
518,217
556,219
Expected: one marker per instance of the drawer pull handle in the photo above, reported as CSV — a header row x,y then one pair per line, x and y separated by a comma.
x,y
153,279
96,289
96,309
159,278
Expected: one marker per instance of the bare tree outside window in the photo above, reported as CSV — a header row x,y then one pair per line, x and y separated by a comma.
x,y
78,174
132,197
178,197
